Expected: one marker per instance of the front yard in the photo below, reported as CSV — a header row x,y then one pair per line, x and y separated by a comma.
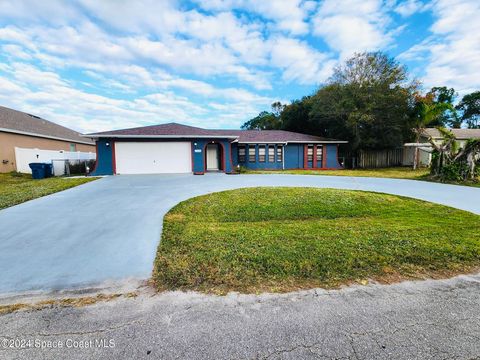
x,y
16,188
393,172
282,239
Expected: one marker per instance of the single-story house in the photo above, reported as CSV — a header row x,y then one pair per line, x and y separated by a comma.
x,y
176,148
462,135
425,149
22,130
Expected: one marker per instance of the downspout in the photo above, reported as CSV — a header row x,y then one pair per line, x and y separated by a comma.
x,y
283,156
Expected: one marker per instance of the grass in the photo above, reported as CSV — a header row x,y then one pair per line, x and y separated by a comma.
x,y
283,239
17,188
65,302
393,172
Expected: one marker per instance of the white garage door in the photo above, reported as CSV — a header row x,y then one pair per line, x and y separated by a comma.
x,y
153,157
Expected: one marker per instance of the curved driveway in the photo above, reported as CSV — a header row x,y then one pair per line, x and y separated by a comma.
x,y
109,229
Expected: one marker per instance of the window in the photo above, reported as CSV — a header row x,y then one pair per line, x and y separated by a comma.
x,y
310,153
279,153
73,147
271,153
241,153
261,153
251,153
319,152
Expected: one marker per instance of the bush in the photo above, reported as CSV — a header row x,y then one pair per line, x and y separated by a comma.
x,y
455,171
445,170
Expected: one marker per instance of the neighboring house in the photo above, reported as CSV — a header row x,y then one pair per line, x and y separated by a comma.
x,y
462,135
176,148
425,148
19,129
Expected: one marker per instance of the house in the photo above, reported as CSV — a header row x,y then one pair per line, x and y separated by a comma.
x,y
462,135
22,130
425,149
176,148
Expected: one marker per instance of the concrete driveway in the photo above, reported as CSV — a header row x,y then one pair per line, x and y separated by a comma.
x,y
109,229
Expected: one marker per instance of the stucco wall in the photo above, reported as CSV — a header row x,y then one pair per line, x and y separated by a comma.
x,y
293,158
275,165
332,157
8,141
104,164
198,154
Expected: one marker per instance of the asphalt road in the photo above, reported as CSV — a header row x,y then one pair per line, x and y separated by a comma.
x,y
109,229
411,320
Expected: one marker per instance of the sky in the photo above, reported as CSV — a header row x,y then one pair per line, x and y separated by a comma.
x,y
95,65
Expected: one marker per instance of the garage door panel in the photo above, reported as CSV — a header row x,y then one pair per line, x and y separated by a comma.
x,y
153,157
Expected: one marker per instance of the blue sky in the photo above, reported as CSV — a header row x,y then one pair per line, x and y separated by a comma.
x,y
97,65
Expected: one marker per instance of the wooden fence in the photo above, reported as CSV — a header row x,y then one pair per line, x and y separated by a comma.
x,y
371,159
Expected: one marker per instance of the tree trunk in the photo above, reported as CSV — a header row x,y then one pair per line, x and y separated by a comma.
x,y
471,165
415,154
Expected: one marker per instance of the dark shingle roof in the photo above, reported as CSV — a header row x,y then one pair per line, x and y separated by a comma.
x,y
243,136
23,123
460,134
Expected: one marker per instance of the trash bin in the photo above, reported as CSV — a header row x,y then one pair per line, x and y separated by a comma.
x,y
48,170
39,170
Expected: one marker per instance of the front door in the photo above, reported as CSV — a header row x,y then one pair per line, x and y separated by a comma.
x,y
212,157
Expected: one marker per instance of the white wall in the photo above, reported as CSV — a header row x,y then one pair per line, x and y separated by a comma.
x,y
424,156
23,157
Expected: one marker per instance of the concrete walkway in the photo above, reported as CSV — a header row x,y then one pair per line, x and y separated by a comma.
x,y
109,229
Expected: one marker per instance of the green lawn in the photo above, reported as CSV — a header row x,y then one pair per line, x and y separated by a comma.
x,y
394,172
281,239
18,188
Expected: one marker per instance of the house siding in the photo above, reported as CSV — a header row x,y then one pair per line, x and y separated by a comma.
x,y
293,156
8,142
198,154
332,157
104,164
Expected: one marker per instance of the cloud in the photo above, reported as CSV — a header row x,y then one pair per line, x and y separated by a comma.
x,y
452,51
52,11
286,15
29,88
350,26
16,52
410,7
299,62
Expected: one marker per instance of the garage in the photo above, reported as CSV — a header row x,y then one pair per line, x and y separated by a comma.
x,y
153,157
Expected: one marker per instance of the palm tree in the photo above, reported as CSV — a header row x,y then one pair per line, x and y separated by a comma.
x,y
449,152
427,114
